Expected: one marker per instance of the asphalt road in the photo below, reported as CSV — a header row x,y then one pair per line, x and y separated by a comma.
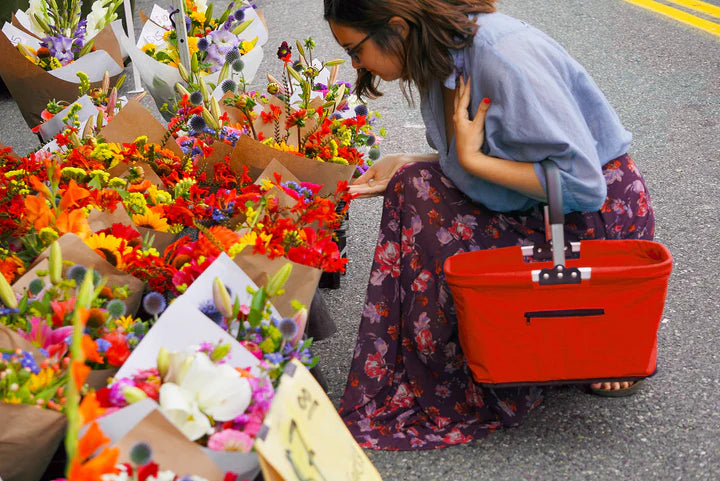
x,y
663,78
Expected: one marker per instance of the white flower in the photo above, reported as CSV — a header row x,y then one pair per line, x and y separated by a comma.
x,y
96,19
37,7
201,5
201,390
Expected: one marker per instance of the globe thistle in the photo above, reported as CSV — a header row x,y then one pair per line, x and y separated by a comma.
x,y
196,98
36,286
239,15
141,453
154,303
371,139
77,273
238,65
287,328
203,44
228,86
361,110
232,55
197,123
116,308
374,154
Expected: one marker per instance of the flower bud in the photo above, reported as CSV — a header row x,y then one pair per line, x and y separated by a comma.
x,y
163,362
7,294
222,299
220,352
55,262
300,319
278,280
133,394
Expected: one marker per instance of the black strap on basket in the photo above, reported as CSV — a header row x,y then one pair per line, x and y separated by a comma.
x,y
555,217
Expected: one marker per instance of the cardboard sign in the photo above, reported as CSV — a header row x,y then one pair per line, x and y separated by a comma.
x,y
303,437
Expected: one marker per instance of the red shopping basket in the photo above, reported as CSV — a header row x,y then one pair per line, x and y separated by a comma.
x,y
593,318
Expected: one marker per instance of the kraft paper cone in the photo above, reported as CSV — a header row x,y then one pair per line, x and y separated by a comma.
x,y
159,240
171,449
28,439
257,156
32,87
134,120
221,150
11,340
97,379
301,285
76,251
122,169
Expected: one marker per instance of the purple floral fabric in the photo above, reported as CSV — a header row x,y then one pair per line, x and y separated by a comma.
x,y
409,386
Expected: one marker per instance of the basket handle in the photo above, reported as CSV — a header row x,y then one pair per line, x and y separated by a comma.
x,y
555,214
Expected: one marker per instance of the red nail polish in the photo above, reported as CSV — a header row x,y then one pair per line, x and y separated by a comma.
x,y
486,100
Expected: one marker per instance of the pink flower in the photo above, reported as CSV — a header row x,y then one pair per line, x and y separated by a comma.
x,y
42,335
230,440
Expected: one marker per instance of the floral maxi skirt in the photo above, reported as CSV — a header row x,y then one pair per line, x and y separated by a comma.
x,y
409,386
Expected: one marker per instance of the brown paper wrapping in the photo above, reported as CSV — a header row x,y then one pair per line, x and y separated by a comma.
x,y
28,439
122,169
220,151
257,156
97,379
171,449
12,153
301,285
32,87
134,120
75,250
10,339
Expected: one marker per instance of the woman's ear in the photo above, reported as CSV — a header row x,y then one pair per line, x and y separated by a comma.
x,y
400,26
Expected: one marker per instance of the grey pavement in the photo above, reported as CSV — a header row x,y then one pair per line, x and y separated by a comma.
x,y
664,80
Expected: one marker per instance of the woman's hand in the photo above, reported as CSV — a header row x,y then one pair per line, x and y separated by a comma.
x,y
375,180
469,134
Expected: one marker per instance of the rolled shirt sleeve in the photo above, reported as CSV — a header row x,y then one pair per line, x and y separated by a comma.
x,y
544,105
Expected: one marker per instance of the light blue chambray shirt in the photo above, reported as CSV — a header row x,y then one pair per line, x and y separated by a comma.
x,y
543,105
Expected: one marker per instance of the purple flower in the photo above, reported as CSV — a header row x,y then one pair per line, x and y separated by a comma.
x,y
116,396
61,47
103,345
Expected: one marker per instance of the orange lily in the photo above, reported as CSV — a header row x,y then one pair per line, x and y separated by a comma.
x,y
72,195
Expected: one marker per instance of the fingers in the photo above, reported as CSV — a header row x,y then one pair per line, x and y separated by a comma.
x,y
368,189
482,109
365,176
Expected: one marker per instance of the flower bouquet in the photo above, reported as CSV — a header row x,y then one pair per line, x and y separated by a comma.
x,y
307,125
37,70
210,39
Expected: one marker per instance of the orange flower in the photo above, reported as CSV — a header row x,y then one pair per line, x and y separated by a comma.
x,y
73,222
141,187
90,349
80,373
38,212
82,469
90,408
72,195
11,267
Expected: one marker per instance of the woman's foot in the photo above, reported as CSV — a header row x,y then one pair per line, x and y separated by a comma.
x,y
615,389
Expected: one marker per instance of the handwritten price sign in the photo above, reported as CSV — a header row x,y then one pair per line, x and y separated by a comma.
x,y
304,439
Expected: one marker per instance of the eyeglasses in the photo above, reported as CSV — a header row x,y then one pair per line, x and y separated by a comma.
x,y
353,52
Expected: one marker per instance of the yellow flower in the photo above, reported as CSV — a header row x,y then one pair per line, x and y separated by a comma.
x,y
107,246
12,400
193,44
125,322
151,220
41,380
248,239
282,146
149,48
198,17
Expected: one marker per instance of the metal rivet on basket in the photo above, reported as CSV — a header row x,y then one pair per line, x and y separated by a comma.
x,y
560,268
546,276
560,275
573,274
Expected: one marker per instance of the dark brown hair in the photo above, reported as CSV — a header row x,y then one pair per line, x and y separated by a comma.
x,y
435,27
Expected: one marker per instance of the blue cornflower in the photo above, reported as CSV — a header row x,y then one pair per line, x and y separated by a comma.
x,y
102,345
274,357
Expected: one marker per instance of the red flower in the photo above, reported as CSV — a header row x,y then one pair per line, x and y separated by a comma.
x,y
119,351
284,53
375,366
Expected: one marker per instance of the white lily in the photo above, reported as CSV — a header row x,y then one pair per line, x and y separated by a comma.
x,y
202,390
181,408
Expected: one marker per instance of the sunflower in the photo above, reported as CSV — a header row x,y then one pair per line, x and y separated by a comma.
x,y
151,220
108,246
